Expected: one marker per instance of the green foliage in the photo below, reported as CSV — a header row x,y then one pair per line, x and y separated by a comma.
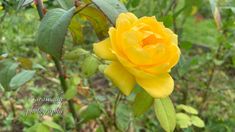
x,y
123,116
23,3
97,19
70,93
165,113
89,66
204,78
75,54
92,111
66,4
187,109
52,31
52,124
143,101
8,70
76,30
21,78
198,122
111,8
38,128
185,120
45,127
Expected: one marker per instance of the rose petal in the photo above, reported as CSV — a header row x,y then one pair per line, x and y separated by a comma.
x,y
125,20
103,49
174,37
159,86
120,77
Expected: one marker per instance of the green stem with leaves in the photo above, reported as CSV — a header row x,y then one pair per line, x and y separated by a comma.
x,y
60,70
62,77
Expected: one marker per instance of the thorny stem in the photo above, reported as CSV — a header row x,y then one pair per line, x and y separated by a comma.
x,y
60,70
62,77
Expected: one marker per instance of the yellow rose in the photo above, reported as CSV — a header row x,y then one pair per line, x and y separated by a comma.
x,y
142,51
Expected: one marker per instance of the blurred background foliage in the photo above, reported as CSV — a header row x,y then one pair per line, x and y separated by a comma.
x,y
204,77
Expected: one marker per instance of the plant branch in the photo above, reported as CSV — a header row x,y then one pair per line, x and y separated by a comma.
x,y
62,77
82,8
60,70
39,6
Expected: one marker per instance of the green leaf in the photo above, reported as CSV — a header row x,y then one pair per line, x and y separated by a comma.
x,y
111,8
70,93
7,71
123,116
135,3
168,20
229,7
89,66
52,31
165,113
92,111
39,127
198,122
187,109
98,21
23,3
75,54
183,120
143,101
52,124
218,62
21,78
100,129
66,4
76,30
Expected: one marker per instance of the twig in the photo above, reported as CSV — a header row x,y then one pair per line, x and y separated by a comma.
x,y
82,8
39,6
